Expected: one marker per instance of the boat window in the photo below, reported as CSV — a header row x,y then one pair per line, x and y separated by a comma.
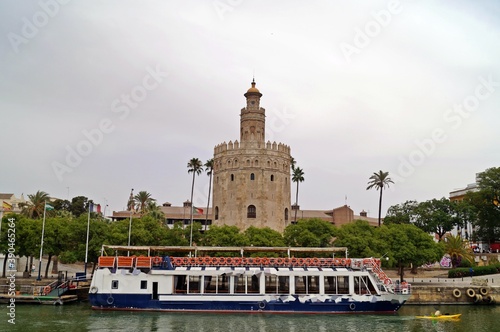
x,y
331,285
343,285
144,284
362,285
194,284
114,284
180,284
283,285
307,284
245,284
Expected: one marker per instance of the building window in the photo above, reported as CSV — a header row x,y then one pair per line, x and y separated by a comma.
x,y
248,162
251,211
252,176
114,284
236,163
272,177
216,213
144,284
286,214
256,163
232,177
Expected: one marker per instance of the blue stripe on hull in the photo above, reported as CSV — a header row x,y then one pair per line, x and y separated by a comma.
x,y
144,302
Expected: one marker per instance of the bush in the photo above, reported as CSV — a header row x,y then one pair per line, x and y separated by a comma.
x,y
478,271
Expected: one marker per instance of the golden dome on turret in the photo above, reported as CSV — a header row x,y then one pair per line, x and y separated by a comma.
x,y
253,90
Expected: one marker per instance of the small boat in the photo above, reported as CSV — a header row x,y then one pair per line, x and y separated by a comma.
x,y
445,316
196,282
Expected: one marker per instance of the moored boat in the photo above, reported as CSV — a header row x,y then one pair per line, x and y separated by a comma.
x,y
203,283
445,316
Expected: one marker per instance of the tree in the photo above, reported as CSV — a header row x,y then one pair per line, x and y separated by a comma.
x,y
194,166
142,200
401,213
154,211
224,236
406,244
358,237
209,166
79,205
313,232
458,250
297,176
34,207
437,216
264,237
379,181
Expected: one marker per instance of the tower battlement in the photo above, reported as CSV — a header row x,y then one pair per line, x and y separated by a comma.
x,y
236,145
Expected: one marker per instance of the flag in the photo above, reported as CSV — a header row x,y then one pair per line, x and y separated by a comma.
x,y
197,210
95,207
48,207
6,206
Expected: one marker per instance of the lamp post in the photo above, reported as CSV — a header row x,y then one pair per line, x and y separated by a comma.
x,y
131,207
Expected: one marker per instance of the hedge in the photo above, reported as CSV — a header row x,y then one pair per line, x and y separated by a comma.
x,y
477,271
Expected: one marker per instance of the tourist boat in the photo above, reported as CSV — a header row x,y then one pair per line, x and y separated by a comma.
x,y
201,280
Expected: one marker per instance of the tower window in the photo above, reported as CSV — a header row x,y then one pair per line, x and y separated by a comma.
x,y
272,177
252,176
256,162
251,211
248,162
232,177
216,217
286,214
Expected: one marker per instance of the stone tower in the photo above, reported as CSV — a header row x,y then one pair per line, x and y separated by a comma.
x,y
251,177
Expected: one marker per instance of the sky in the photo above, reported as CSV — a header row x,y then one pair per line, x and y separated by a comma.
x,y
99,97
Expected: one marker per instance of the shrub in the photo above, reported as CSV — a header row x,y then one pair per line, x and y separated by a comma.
x,y
67,257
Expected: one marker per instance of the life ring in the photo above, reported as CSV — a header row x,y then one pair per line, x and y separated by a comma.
x,y
206,260
300,261
286,261
93,290
478,298
471,292
352,306
256,260
262,305
47,289
237,261
328,262
483,291
250,261
457,293
178,261
387,281
110,300
315,262
342,261
157,260
244,261
348,262
264,261
58,302
322,261
293,261
222,260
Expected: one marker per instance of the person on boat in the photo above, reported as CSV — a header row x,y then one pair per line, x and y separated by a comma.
x,y
437,313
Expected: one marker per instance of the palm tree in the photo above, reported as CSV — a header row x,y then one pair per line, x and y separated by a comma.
x,y
292,163
142,199
379,181
36,204
456,247
154,211
209,166
194,166
297,176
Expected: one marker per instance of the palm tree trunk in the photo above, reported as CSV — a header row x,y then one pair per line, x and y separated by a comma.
x,y
380,207
296,202
208,201
192,206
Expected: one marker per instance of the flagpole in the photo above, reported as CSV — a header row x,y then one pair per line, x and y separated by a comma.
x,y
41,244
87,242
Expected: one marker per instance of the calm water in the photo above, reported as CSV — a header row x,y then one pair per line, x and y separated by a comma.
x,y
79,317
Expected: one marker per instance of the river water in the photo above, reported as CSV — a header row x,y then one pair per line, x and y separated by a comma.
x,y
79,317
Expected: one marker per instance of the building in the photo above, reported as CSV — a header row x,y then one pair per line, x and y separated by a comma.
x,y
251,176
10,203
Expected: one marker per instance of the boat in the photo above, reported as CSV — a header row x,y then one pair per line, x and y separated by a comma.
x,y
232,279
445,316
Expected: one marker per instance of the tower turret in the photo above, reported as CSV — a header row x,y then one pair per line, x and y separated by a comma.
x,y
252,117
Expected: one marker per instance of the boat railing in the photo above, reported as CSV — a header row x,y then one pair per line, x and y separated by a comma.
x,y
374,264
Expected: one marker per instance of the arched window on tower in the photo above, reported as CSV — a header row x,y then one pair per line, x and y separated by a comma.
x,y
251,211
232,177
286,214
256,162
216,216
272,177
252,176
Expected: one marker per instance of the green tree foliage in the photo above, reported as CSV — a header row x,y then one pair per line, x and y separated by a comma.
x,y
359,238
486,203
403,213
224,236
313,232
437,216
142,201
379,181
458,250
34,207
79,205
406,244
264,237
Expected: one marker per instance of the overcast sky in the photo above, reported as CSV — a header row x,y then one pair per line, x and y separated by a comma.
x,y
98,97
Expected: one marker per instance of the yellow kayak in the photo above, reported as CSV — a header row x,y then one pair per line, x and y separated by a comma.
x,y
446,316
